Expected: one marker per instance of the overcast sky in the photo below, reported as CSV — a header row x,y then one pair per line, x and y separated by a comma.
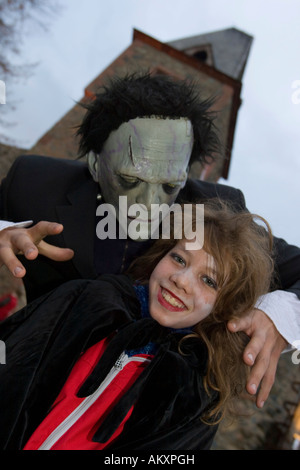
x,y
87,36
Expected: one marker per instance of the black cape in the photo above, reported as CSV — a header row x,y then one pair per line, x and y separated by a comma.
x,y
45,339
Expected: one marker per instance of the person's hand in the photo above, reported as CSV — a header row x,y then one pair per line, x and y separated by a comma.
x,y
29,241
261,353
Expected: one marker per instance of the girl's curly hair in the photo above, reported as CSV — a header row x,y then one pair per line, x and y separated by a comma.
x,y
241,245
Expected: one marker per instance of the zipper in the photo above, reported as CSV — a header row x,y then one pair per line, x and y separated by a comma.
x,y
68,422
124,255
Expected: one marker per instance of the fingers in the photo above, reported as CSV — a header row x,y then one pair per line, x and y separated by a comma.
x,y
262,376
255,347
55,253
12,263
266,384
261,353
14,241
29,242
257,355
43,229
241,324
261,379
263,373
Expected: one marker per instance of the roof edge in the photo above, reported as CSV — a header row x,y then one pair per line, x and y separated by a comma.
x,y
211,71
192,61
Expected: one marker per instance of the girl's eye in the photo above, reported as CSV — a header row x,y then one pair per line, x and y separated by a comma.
x,y
128,182
178,259
210,282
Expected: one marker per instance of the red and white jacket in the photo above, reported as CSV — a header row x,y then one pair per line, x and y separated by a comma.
x,y
72,420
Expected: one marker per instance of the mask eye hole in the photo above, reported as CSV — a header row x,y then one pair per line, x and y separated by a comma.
x,y
170,188
128,182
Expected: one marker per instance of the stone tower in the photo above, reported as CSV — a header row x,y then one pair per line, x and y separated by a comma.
x,y
214,61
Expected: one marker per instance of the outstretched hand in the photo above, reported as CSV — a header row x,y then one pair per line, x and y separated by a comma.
x,y
29,241
261,353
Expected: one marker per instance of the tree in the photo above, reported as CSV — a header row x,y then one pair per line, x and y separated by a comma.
x,y
16,17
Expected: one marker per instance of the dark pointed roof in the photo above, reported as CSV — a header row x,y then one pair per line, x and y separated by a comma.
x,y
229,48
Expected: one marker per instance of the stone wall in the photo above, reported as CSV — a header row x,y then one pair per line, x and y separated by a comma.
x,y
269,428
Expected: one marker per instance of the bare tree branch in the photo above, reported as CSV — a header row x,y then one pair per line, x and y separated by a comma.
x,y
17,19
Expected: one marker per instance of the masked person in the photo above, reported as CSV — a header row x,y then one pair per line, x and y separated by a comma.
x,y
139,135
142,361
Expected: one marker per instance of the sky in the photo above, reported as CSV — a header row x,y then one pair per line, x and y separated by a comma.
x,y
83,38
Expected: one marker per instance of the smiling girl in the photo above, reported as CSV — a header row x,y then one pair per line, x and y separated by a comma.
x,y
204,289
143,361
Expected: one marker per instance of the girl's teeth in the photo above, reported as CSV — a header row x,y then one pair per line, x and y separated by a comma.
x,y
169,298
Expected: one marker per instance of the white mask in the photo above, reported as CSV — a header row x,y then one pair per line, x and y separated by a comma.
x,y
145,159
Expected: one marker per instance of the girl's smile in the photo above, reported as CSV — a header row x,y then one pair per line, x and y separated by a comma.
x,y
170,301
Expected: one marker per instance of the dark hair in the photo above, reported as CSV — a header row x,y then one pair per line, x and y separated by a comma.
x,y
148,95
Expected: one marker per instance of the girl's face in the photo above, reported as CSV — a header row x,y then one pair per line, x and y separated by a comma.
x,y
183,287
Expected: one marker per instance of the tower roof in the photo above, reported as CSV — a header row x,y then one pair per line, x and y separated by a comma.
x,y
229,49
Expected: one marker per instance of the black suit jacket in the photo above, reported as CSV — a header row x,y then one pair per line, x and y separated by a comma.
x,y
44,188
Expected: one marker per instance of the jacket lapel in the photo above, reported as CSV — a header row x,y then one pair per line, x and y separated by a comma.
x,y
79,221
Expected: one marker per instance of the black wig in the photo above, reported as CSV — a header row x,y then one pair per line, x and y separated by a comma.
x,y
148,95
